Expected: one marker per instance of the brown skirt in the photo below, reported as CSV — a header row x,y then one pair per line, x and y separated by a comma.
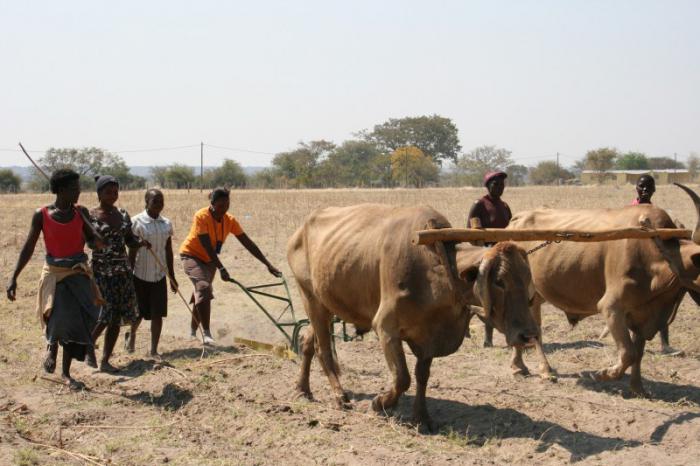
x,y
201,274
151,297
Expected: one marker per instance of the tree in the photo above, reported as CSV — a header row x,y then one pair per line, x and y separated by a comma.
x,y
178,176
9,182
516,175
664,163
267,178
380,168
435,136
632,161
229,174
299,166
349,164
410,166
158,175
87,162
471,167
693,164
601,160
548,172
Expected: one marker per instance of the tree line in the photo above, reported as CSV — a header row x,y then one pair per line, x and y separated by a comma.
x,y
400,152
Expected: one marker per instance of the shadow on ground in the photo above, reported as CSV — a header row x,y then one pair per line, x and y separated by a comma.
x,y
477,424
173,397
664,391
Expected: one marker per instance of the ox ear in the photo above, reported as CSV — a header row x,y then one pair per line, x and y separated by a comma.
x,y
469,274
482,287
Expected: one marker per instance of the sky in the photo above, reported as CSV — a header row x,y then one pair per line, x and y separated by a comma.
x,y
536,77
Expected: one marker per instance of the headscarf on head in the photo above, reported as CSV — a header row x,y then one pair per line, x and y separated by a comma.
x,y
103,180
491,175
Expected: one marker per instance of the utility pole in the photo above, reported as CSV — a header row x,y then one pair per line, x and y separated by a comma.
x,y
558,176
201,166
406,152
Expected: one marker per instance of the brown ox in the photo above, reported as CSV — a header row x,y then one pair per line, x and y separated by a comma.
x,y
358,263
637,284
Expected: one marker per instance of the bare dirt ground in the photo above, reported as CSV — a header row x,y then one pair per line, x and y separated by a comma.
x,y
237,405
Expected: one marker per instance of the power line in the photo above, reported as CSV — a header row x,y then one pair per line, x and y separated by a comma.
x,y
233,149
159,149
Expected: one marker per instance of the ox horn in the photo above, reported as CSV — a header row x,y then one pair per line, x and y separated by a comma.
x,y
696,201
483,286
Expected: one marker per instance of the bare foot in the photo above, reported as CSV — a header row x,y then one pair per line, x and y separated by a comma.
x,y
671,351
90,358
72,384
105,366
49,363
129,342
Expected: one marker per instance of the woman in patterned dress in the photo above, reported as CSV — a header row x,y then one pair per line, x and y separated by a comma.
x,y
111,267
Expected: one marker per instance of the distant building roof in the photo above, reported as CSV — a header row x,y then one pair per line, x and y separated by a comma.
x,y
641,172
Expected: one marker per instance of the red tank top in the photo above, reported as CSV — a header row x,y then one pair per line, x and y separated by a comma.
x,y
63,239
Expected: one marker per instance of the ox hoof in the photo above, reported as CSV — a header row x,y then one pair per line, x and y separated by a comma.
x,y
306,394
520,372
343,402
638,390
425,424
380,404
488,344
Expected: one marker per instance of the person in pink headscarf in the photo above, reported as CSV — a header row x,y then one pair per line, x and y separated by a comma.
x,y
492,212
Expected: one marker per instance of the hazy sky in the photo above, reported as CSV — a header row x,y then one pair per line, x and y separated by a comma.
x,y
535,77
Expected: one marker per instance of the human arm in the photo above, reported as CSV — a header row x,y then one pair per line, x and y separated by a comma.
x,y
474,212
250,245
93,239
26,253
205,241
131,239
169,260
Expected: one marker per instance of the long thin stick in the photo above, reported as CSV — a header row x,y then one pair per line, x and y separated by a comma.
x,y
187,304
33,162
80,212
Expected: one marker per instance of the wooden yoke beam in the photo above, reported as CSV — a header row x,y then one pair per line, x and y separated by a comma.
x,y
494,235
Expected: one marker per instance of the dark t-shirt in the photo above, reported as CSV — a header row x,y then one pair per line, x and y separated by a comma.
x,y
493,213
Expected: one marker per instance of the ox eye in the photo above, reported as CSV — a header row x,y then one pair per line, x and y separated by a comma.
x,y
500,283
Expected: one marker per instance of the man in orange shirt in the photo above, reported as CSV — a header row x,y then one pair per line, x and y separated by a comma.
x,y
200,254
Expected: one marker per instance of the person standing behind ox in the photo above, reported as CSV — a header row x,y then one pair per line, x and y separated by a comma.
x,y
200,255
646,187
111,267
67,298
149,276
492,212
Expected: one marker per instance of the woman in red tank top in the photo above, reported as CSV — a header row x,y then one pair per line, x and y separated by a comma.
x,y
62,239
72,312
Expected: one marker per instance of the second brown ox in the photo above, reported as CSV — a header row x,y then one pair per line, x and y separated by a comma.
x,y
358,263
636,284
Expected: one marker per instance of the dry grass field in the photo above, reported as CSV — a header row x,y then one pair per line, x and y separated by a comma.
x,y
243,411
